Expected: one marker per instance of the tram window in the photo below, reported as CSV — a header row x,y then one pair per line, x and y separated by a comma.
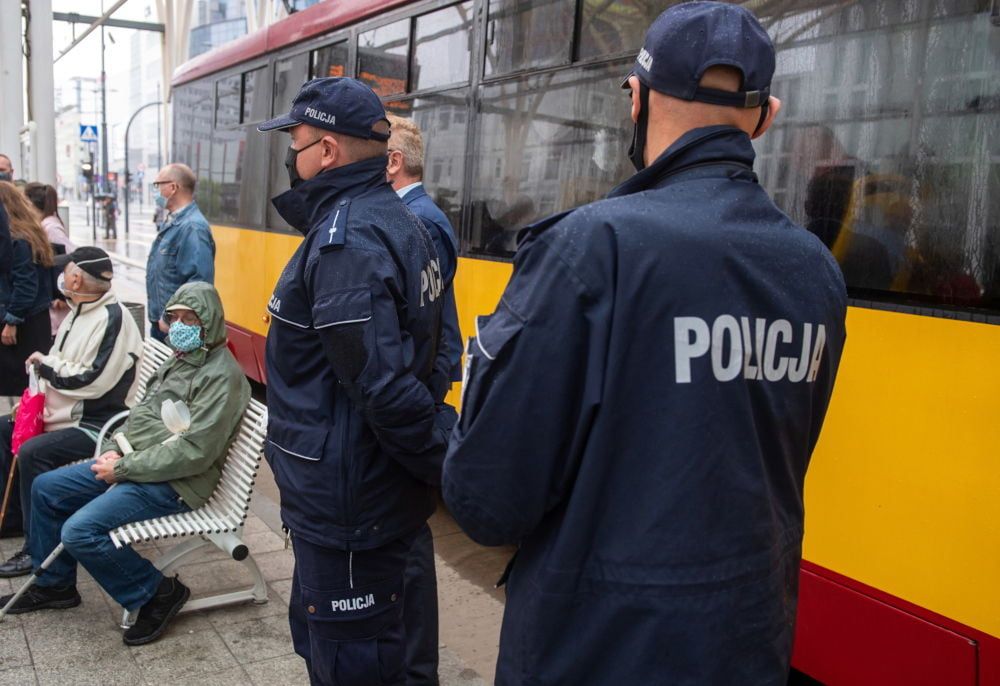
x,y
541,147
227,101
255,96
382,57
890,154
612,28
442,46
192,137
289,75
223,183
526,34
444,147
329,61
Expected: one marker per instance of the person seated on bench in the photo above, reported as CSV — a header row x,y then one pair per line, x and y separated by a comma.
x,y
88,376
162,477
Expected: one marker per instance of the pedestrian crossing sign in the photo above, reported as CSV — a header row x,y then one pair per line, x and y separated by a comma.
x,y
88,133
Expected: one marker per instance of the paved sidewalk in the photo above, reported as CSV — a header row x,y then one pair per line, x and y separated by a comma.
x,y
242,644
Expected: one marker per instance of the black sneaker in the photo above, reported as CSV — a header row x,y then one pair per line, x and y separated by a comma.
x,y
18,565
157,613
43,598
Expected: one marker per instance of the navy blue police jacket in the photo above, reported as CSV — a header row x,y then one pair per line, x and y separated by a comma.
x,y
638,417
352,437
448,366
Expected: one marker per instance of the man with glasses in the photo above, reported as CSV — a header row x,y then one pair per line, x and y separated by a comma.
x,y
183,250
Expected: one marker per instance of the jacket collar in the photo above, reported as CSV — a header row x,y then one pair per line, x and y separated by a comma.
x,y
696,147
415,192
306,204
105,299
178,215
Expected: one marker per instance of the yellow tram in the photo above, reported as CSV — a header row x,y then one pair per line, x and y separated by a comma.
x,y
888,148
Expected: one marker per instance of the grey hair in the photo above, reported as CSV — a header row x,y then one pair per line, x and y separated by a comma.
x,y
91,284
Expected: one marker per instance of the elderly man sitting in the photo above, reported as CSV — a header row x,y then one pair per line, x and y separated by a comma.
x,y
88,376
161,477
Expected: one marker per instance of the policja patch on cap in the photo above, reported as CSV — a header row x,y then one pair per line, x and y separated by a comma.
x,y
339,104
687,39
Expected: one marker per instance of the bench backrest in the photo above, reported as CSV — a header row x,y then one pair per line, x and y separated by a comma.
x,y
154,354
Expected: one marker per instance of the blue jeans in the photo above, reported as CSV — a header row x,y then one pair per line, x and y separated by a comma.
x,y
72,505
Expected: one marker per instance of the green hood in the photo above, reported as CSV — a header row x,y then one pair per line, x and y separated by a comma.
x,y
204,300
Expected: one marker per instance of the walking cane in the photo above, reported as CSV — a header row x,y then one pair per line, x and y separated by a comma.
x,y
6,491
177,418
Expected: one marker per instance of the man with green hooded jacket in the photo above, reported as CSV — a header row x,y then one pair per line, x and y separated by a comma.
x,y
159,478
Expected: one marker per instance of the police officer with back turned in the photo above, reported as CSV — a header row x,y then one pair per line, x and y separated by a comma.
x,y
352,434
642,405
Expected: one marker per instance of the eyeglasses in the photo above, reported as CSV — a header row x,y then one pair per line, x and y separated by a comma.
x,y
160,183
189,318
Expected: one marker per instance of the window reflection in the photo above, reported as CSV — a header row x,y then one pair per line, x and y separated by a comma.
x,y
441,47
329,61
382,57
194,109
889,152
546,143
523,34
289,75
255,96
442,119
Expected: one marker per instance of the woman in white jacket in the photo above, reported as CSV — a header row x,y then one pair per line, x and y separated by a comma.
x,y
88,376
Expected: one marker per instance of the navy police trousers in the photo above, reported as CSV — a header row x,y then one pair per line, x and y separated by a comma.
x,y
346,613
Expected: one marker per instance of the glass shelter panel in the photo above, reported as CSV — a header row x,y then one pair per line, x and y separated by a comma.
x,y
442,44
546,143
528,34
382,58
888,147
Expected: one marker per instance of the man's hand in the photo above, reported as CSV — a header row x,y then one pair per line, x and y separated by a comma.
x,y
104,467
60,305
35,359
9,335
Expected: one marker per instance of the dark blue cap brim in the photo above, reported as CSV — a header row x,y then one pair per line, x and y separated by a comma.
x,y
278,123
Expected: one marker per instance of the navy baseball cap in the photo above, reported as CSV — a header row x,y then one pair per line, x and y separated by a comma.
x,y
687,39
90,259
338,104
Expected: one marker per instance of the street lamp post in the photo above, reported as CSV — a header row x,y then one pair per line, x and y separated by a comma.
x,y
128,173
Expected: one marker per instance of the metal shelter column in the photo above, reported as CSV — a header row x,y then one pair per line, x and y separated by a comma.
x,y
11,83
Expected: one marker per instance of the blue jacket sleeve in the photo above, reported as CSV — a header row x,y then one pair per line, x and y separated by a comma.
x,y
534,376
196,254
448,363
356,313
24,284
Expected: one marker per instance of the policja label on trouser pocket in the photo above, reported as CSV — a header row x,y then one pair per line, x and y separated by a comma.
x,y
361,604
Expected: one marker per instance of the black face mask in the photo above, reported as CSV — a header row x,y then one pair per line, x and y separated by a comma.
x,y
637,150
290,163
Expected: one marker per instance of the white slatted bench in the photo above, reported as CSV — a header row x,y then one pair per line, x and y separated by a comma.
x,y
218,522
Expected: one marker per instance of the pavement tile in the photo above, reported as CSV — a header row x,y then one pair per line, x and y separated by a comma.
x,y
257,639
120,670
234,676
209,578
254,525
18,676
289,670
264,542
283,589
182,656
57,638
224,616
277,565
13,647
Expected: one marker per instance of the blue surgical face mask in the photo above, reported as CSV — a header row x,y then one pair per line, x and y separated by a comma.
x,y
185,337
6,176
161,202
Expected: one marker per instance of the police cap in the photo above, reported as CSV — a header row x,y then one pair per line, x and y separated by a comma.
x,y
687,39
339,104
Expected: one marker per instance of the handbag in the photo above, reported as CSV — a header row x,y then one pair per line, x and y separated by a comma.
x,y
28,423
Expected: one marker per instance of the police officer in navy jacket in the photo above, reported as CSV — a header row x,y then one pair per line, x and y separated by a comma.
x,y
405,172
353,437
642,405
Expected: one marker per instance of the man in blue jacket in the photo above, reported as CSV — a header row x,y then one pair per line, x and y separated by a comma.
x,y
641,408
353,435
406,173
183,249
